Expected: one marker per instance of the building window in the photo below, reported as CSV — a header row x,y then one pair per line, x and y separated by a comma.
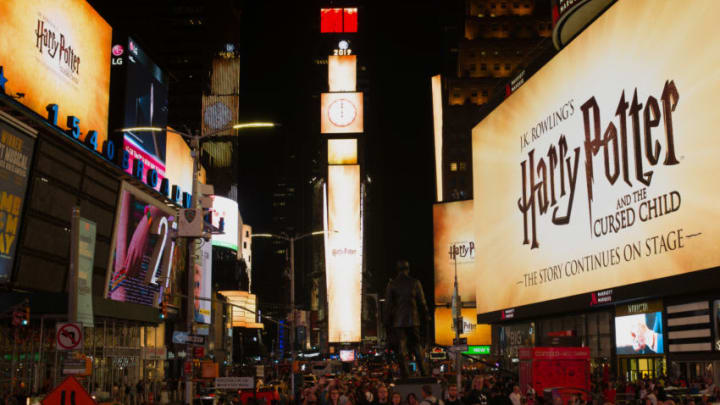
x,y
496,66
484,93
456,95
516,5
507,66
472,67
483,67
462,166
503,5
453,166
482,53
244,245
492,5
474,93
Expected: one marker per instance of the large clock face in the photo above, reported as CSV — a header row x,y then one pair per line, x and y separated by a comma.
x,y
342,112
217,116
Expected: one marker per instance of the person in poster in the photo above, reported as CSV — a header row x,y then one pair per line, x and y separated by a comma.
x,y
639,334
140,227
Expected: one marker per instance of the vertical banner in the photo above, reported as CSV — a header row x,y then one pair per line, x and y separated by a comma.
x,y
344,253
85,259
16,149
203,280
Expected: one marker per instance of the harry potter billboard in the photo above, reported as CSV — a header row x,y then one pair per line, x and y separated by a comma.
x,y
594,174
58,52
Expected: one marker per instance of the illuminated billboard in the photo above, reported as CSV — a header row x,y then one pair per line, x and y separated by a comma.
x,y
342,73
228,210
58,52
16,150
639,334
341,113
343,255
453,231
338,20
244,308
140,264
445,329
179,162
594,172
342,151
203,281
142,101
437,106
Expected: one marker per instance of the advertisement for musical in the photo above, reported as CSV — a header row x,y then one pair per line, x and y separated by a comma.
x,y
454,248
16,150
140,265
595,173
67,44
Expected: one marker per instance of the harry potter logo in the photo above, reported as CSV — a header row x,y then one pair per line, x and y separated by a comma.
x,y
55,45
550,181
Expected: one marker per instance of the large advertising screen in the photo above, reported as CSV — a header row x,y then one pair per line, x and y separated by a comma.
x,y
145,105
342,73
341,113
639,334
140,264
343,255
16,150
58,52
445,329
594,174
228,210
454,250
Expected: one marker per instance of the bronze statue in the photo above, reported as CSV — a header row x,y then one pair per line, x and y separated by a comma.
x,y
405,302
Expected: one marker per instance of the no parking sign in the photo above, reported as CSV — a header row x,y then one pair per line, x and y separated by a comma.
x,y
69,336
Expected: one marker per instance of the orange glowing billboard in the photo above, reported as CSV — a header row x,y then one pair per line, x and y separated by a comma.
x,y
344,255
342,151
477,335
58,52
453,231
342,73
437,106
595,173
341,113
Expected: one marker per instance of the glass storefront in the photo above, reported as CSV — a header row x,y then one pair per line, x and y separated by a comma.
x,y
634,368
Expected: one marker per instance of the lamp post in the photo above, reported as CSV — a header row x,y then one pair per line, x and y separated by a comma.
x,y
195,154
291,241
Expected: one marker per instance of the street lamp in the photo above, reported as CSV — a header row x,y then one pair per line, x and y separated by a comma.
x,y
195,153
291,240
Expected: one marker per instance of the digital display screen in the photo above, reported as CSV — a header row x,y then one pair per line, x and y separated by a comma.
x,y
639,334
141,260
338,20
454,249
228,210
145,105
347,355
58,52
587,175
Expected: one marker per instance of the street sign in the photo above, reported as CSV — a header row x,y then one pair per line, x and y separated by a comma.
x,y
68,392
185,338
198,352
74,367
478,350
234,383
459,348
68,336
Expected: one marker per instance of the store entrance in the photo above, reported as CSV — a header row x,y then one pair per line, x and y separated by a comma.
x,y
634,368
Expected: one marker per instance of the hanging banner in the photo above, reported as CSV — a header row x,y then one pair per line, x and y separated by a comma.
x,y
16,150
85,260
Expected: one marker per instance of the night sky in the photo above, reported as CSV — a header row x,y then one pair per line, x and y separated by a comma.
x,y
277,40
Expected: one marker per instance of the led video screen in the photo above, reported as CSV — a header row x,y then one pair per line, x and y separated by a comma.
x,y
639,334
58,52
453,232
140,264
337,20
593,174
341,113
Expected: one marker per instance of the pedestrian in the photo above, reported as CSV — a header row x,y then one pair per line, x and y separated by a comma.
x,y
411,399
515,396
452,396
428,398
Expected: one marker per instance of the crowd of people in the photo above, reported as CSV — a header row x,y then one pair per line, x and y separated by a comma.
x,y
662,390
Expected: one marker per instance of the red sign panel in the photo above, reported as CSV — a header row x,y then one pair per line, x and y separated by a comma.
x,y
68,392
338,20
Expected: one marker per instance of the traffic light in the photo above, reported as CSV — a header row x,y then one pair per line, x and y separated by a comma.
x,y
26,318
163,311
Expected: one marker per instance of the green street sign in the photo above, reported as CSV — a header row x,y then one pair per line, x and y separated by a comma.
x,y
477,350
